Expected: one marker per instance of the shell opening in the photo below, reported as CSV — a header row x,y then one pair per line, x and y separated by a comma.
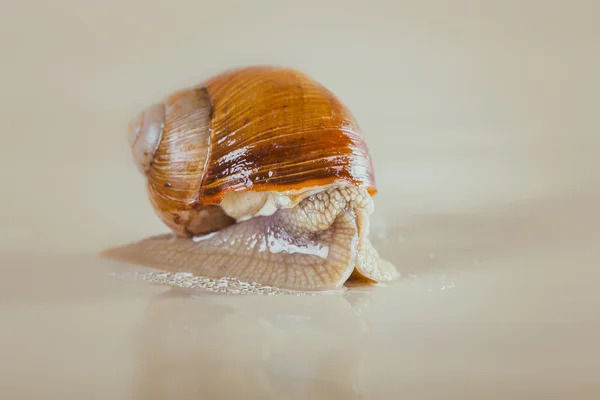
x,y
145,132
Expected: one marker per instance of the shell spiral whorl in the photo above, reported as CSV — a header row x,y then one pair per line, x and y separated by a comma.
x,y
145,133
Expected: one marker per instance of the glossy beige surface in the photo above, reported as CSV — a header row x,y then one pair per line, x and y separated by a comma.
x,y
485,139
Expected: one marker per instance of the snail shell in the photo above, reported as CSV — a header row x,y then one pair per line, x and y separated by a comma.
x,y
259,160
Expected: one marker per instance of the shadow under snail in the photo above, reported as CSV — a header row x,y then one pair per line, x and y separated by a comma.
x,y
263,176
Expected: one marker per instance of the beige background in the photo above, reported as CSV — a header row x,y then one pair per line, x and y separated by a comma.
x,y
466,105
482,120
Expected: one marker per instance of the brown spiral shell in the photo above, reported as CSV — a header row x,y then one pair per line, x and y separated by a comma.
x,y
251,129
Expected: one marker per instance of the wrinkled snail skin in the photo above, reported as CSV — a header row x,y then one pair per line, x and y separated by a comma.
x,y
263,176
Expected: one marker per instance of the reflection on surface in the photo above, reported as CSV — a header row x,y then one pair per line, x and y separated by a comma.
x,y
194,346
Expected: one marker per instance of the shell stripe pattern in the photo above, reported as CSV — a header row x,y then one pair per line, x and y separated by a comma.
x,y
275,129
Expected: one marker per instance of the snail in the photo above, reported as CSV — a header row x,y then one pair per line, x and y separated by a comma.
x,y
263,175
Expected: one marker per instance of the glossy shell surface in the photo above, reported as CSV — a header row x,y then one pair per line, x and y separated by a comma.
x,y
254,129
276,129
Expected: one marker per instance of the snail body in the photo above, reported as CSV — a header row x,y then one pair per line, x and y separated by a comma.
x,y
263,175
